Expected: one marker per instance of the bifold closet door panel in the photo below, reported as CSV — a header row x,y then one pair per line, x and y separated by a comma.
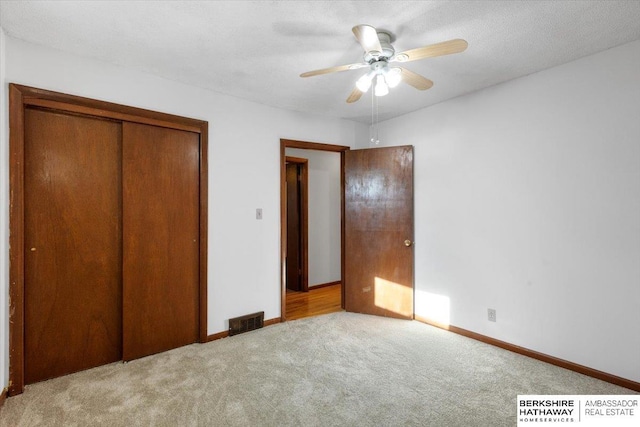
x,y
160,175
73,299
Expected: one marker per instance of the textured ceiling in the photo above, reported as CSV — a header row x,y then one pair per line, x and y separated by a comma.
x,y
256,49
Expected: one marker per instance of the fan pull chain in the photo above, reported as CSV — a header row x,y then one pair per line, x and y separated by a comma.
x,y
373,130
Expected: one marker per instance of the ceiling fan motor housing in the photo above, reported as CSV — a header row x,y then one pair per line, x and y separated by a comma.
x,y
379,65
387,50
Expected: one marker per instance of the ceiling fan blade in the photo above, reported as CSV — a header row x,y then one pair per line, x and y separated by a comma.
x,y
368,38
354,95
415,80
438,49
334,69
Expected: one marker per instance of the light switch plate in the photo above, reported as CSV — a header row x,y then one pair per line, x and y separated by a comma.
x,y
259,213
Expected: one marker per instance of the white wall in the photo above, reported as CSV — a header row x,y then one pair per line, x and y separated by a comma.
x,y
244,168
4,220
527,197
527,200
324,214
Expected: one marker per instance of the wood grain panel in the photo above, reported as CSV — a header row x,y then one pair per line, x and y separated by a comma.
x,y
3,397
297,223
94,107
378,220
292,143
294,220
16,241
72,244
23,97
161,239
317,301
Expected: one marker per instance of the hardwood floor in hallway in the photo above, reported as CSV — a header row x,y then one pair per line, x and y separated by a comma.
x,y
323,300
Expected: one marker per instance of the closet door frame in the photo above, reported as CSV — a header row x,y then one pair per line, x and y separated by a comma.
x,y
22,97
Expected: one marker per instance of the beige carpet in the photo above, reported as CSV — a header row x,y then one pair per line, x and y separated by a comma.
x,y
339,369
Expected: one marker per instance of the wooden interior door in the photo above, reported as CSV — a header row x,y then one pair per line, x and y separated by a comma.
x,y
378,228
72,235
297,223
294,223
160,174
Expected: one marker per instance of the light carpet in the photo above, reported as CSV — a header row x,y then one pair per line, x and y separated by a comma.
x,y
340,369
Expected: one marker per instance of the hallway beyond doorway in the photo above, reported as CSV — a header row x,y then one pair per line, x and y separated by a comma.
x,y
322,300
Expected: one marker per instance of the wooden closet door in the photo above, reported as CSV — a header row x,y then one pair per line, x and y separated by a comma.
x,y
72,244
160,174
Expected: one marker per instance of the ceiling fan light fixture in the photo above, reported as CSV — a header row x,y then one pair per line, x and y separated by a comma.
x,y
393,76
379,53
364,82
381,88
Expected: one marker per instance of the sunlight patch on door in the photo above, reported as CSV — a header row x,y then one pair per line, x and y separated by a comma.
x,y
433,307
393,297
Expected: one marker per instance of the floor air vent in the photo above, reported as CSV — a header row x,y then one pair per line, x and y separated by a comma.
x,y
246,323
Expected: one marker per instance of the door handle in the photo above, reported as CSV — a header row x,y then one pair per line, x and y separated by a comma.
x,y
408,243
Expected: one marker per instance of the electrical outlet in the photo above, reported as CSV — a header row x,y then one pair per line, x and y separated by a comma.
x,y
491,314
259,213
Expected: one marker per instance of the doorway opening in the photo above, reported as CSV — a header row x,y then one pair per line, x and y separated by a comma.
x,y
312,229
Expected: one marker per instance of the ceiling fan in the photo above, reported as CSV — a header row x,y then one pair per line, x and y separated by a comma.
x,y
379,54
